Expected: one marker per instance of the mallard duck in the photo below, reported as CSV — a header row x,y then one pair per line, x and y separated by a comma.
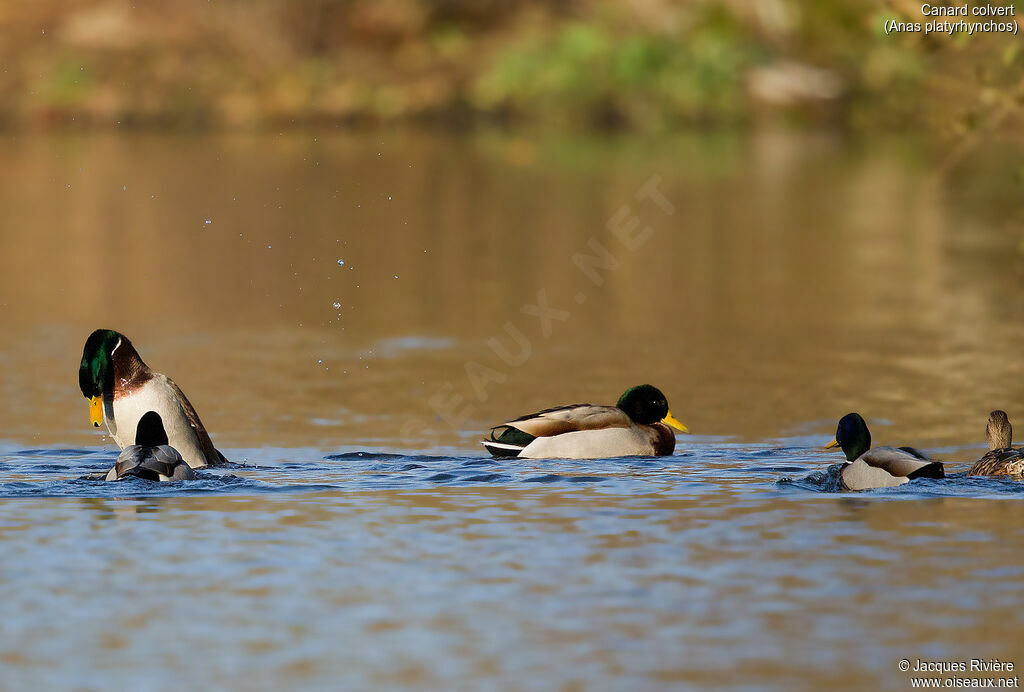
x,y
151,457
1001,459
121,389
638,425
881,467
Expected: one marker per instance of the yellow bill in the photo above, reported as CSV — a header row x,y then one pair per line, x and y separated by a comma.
x,y
96,410
671,420
833,443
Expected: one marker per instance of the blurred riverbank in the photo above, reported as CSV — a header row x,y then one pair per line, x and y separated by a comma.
x,y
641,64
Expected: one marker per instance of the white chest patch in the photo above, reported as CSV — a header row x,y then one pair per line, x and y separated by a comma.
x,y
157,395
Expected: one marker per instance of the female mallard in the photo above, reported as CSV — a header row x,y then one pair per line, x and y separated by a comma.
x,y
637,426
121,389
1001,459
151,457
881,467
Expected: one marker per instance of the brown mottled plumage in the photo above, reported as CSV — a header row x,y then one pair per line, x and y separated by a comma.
x,y
1001,459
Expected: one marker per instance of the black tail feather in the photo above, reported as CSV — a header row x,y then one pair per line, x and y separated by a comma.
x,y
932,470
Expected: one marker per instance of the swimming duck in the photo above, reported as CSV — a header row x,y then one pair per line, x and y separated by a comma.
x,y
881,467
121,389
1001,459
151,457
638,425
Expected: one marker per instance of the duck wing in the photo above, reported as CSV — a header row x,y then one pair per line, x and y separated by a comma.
x,y
213,456
152,463
888,467
913,451
168,462
565,419
903,463
512,437
130,457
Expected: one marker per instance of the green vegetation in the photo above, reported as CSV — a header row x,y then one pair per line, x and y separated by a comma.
x,y
585,73
641,64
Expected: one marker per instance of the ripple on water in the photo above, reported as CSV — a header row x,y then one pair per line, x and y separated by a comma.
x,y
699,470
569,572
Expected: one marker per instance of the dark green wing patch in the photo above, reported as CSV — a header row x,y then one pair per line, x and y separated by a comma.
x,y
506,434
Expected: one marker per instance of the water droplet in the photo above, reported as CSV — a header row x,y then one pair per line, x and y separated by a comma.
x,y
341,263
124,188
269,247
396,276
208,222
336,305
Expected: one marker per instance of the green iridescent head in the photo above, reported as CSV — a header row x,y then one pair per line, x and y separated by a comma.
x,y
645,404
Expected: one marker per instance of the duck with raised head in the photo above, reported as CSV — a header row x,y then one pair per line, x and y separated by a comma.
x,y
151,457
640,424
882,467
121,389
1001,459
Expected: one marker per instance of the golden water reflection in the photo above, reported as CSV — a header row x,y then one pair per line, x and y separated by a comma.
x,y
797,279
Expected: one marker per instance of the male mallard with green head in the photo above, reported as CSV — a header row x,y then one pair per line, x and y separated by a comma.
x,y
121,389
1001,459
637,426
151,457
881,467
